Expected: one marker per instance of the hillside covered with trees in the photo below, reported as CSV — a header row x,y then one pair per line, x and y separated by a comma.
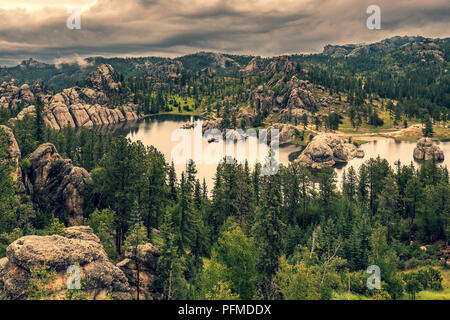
x,y
296,234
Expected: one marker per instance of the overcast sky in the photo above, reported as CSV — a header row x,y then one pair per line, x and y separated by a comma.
x,y
37,28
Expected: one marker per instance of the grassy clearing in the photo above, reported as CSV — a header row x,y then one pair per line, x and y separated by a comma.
x,y
434,295
441,133
347,296
443,294
183,103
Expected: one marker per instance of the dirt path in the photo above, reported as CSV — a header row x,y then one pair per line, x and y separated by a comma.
x,y
413,130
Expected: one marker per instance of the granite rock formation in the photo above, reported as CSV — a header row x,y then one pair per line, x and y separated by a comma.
x,y
75,246
59,182
427,150
327,149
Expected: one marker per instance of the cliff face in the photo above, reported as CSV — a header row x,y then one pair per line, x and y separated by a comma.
x,y
54,183
75,246
59,115
77,107
13,152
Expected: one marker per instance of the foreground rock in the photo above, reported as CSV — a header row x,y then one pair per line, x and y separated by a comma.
x,y
328,149
427,150
59,184
147,259
76,246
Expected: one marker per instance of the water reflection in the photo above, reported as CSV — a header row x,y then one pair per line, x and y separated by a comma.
x,y
157,131
392,151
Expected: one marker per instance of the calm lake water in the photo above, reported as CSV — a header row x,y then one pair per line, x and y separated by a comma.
x,y
158,131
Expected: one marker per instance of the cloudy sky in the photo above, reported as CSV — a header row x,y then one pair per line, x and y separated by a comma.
x,y
37,28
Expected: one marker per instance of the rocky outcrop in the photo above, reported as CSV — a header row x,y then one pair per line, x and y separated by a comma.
x,y
103,80
282,64
75,246
294,96
11,96
300,95
356,50
286,133
13,152
59,182
255,66
146,260
327,149
426,51
294,115
84,107
212,124
166,69
58,115
427,150
245,119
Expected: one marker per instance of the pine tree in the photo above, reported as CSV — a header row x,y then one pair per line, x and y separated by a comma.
x,y
268,233
40,125
171,279
137,236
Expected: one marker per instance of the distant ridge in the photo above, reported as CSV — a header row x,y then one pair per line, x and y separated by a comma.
x,y
383,46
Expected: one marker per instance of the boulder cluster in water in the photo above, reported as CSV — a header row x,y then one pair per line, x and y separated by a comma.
x,y
427,150
328,149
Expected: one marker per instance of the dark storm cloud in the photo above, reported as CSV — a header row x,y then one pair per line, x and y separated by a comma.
x,y
176,27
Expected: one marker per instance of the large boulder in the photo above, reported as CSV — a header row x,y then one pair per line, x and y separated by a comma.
x,y
59,183
427,150
327,149
75,246
146,260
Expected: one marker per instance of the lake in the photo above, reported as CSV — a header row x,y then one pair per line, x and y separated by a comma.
x,y
158,131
